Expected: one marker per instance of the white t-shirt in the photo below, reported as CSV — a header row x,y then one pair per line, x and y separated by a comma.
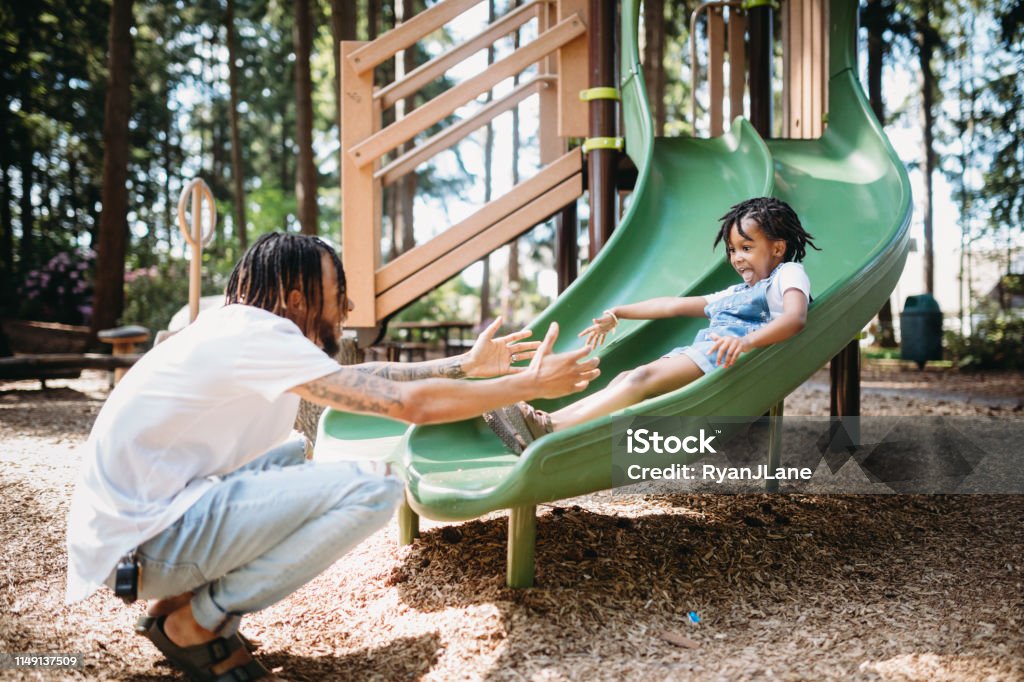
x,y
789,276
203,403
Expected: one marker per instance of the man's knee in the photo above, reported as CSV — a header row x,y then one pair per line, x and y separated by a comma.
x,y
375,493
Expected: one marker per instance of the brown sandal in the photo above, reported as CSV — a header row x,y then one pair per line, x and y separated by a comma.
x,y
196,661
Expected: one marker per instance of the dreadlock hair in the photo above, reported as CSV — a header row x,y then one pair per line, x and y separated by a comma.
x,y
776,218
277,263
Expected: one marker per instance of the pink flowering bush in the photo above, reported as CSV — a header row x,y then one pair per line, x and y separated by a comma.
x,y
61,290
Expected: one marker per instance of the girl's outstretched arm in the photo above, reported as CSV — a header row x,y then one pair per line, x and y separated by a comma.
x,y
651,309
727,349
665,306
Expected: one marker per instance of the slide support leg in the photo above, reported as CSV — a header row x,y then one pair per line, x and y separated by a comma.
x,y
522,535
844,371
408,523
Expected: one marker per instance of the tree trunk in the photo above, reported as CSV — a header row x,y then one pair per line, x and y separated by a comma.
x,y
485,282
237,171
26,248
217,165
284,172
372,19
108,300
6,240
510,290
927,40
6,219
169,172
305,174
406,187
654,59
876,17
343,27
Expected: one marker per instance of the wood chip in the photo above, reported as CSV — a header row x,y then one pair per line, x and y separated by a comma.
x,y
680,640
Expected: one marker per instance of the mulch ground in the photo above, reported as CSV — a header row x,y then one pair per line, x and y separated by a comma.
x,y
790,587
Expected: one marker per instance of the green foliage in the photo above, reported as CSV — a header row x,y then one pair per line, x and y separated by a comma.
x,y
450,301
153,294
879,353
269,208
996,343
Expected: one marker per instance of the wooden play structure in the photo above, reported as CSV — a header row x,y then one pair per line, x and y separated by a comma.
x,y
829,159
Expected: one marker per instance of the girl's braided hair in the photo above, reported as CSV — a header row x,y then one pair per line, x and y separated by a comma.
x,y
776,218
277,263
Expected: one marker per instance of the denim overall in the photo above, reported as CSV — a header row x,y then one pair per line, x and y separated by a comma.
x,y
735,314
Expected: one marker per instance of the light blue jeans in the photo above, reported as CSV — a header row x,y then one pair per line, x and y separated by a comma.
x,y
263,532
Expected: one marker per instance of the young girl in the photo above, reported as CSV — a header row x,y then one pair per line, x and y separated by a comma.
x,y
765,243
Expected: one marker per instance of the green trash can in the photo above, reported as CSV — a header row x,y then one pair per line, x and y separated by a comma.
x,y
921,330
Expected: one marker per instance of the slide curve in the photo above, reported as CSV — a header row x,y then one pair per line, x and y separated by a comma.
x,y
851,192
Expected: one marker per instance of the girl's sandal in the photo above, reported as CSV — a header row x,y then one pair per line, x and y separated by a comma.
x,y
536,423
196,661
518,425
503,428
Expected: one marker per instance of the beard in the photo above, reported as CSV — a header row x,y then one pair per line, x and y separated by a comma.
x,y
329,342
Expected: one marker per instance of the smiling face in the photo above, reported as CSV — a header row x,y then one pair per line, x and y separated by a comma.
x,y
752,254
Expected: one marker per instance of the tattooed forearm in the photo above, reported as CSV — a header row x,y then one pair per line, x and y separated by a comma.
x,y
356,391
445,368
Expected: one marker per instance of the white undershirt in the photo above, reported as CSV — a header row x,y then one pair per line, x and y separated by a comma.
x,y
789,276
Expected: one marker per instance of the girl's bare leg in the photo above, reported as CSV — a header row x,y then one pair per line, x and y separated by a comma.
x,y
629,388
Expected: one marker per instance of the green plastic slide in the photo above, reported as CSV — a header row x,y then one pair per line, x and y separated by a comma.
x,y
851,192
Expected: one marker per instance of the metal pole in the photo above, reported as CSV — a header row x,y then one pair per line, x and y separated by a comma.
x,y
601,162
844,372
566,247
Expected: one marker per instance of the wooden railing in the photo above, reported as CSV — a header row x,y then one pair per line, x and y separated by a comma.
x,y
804,53
559,49
717,29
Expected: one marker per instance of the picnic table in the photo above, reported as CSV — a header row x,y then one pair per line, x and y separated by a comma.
x,y
418,336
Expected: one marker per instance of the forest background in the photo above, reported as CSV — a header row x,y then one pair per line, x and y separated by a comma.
x,y
109,106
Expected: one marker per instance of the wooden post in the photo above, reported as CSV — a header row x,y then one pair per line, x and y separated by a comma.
x,y
124,340
716,70
805,68
571,67
197,235
760,74
360,217
737,61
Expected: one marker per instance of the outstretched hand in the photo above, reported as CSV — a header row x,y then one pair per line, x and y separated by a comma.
x,y
492,357
595,334
563,373
728,349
